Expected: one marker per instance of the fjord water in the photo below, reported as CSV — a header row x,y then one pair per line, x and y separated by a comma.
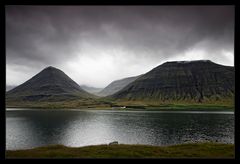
x,y
32,128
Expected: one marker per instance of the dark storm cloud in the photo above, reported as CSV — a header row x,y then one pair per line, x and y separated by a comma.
x,y
49,33
46,35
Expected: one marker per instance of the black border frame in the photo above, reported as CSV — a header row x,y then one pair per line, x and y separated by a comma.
x,y
112,2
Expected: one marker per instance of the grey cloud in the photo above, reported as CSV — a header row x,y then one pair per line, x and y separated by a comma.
x,y
46,35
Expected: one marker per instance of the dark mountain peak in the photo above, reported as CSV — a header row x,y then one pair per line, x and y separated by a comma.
x,y
51,68
183,81
50,82
186,62
187,65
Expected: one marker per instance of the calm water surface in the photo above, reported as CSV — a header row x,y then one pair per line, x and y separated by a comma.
x,y
31,128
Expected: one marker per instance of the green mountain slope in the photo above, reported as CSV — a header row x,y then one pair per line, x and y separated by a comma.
x,y
200,81
51,84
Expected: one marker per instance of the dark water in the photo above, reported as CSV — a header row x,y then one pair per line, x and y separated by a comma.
x,y
32,128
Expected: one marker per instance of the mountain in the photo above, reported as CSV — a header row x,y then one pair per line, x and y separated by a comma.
x,y
182,81
51,84
116,86
89,89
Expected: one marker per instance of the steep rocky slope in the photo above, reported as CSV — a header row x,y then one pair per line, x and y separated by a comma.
x,y
182,81
51,84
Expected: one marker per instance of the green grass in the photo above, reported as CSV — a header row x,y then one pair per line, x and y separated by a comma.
x,y
191,150
226,105
189,107
77,104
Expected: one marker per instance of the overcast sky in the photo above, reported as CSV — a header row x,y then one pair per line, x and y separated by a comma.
x,y
95,45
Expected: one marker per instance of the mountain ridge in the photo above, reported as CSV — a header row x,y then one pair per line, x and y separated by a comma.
x,y
50,82
184,81
116,85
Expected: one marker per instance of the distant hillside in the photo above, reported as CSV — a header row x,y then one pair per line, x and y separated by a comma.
x,y
92,90
51,84
9,87
116,86
182,81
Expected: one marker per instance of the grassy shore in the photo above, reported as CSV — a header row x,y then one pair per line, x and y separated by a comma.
x,y
169,107
131,105
188,107
190,150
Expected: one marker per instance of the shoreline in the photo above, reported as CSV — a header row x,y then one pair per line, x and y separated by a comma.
x,y
169,107
186,150
127,110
